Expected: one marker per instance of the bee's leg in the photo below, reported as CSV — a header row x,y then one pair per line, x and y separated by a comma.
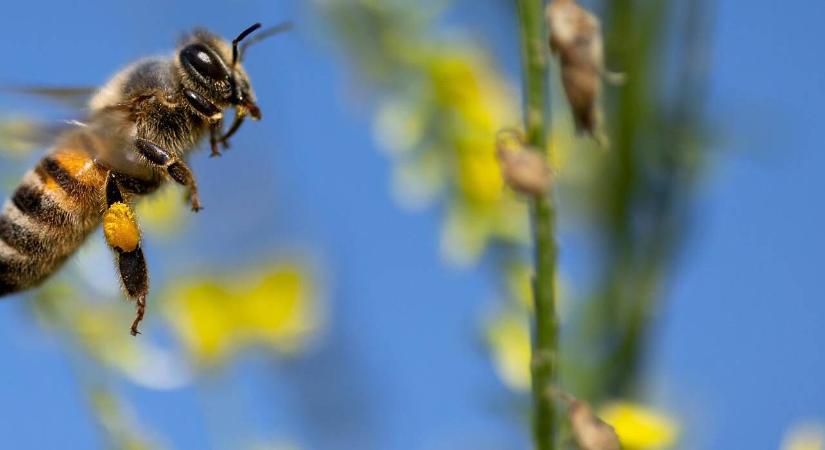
x,y
240,115
218,137
123,236
177,169
215,131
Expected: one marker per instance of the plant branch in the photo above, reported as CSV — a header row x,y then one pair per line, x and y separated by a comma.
x,y
545,330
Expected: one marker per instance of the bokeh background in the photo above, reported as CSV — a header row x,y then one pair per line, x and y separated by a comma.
x,y
359,277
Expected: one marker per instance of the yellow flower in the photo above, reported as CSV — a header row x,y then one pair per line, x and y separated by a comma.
x,y
275,308
164,211
467,92
509,338
119,423
640,428
519,278
472,102
806,436
101,327
442,133
398,127
479,175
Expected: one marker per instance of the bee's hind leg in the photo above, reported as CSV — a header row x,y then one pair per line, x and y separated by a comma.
x,y
176,168
133,273
123,236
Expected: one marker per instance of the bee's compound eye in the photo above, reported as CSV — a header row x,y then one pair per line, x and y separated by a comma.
x,y
198,58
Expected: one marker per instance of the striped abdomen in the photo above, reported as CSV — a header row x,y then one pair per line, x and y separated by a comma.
x,y
50,214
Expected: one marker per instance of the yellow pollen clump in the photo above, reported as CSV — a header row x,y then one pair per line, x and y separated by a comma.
x,y
120,228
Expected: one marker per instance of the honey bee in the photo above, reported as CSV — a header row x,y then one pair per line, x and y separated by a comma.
x,y
141,127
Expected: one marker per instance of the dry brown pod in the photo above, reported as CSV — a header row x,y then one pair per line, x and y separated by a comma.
x,y
576,38
523,169
589,431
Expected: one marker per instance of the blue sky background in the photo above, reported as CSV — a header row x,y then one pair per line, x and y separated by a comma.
x,y
738,353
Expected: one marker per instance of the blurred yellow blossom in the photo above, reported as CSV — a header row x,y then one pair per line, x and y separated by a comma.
x,y
479,175
101,328
275,307
519,277
519,280
119,423
805,436
164,212
398,126
638,427
508,331
442,134
509,338
473,102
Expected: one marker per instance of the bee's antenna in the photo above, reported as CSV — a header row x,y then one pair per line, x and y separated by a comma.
x,y
238,39
269,32
238,55
235,92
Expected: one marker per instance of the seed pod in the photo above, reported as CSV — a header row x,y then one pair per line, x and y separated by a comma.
x,y
591,432
523,169
576,38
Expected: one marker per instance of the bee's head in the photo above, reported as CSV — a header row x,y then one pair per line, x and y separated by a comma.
x,y
211,66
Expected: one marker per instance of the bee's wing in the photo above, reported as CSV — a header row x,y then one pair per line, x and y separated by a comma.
x,y
21,135
76,97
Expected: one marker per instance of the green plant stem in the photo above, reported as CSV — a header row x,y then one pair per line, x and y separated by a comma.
x,y
545,330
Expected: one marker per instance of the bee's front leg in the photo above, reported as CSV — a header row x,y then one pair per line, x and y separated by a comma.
x,y
215,135
240,115
175,168
123,236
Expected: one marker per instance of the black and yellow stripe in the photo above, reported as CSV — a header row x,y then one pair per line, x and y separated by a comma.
x,y
49,215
